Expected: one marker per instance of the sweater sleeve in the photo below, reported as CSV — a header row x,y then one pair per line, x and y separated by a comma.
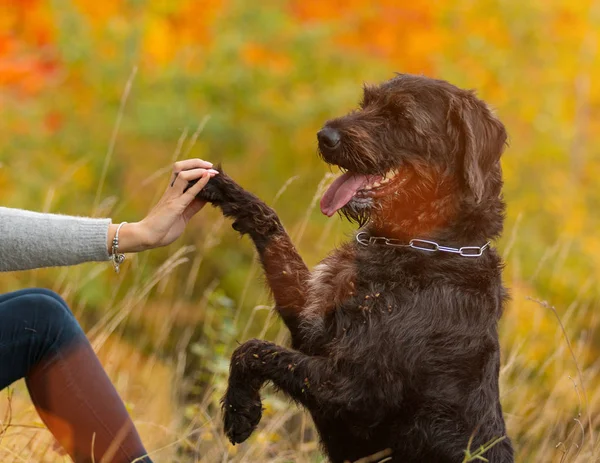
x,y
32,240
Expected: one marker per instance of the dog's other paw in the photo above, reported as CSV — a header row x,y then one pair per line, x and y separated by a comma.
x,y
242,411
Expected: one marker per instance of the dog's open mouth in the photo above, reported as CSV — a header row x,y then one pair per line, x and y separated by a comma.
x,y
352,185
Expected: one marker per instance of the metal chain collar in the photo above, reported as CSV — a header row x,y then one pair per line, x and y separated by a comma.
x,y
364,239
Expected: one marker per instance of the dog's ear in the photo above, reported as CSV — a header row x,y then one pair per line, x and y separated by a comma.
x,y
478,136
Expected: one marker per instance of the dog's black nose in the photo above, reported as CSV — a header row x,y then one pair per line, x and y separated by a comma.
x,y
328,137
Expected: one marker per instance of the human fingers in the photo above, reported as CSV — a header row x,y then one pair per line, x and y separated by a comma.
x,y
193,208
197,187
182,179
188,164
194,205
191,203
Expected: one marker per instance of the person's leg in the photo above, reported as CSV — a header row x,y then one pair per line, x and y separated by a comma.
x,y
41,341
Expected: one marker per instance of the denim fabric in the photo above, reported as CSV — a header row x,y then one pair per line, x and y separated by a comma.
x,y
41,341
33,324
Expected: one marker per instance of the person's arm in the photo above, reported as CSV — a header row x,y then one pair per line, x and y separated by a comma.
x,y
32,240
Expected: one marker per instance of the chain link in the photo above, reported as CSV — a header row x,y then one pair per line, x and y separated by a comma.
x,y
364,239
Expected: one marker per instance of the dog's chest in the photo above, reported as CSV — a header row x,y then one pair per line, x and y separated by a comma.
x,y
343,278
340,282
329,287
379,287
332,282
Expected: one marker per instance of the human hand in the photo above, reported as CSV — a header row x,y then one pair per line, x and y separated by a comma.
x,y
167,220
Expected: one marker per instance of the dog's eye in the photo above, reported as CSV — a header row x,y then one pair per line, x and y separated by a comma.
x,y
396,111
401,109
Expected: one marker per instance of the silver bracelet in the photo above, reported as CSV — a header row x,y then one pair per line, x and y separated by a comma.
x,y
117,259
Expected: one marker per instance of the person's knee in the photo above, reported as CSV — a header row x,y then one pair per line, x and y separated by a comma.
x,y
52,320
36,326
50,294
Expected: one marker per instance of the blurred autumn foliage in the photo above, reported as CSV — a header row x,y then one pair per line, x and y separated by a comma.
x,y
249,84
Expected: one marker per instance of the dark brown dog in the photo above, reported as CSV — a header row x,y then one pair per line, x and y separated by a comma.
x,y
393,347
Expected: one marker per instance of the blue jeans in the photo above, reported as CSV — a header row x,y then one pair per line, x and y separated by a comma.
x,y
41,341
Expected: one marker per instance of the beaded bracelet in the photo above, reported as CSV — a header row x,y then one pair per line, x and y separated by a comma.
x,y
117,259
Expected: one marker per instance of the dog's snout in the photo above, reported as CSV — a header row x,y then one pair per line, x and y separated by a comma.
x,y
328,137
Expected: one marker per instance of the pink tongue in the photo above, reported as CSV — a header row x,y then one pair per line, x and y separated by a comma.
x,y
341,191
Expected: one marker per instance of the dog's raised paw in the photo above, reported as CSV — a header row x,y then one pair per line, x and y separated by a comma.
x,y
212,191
240,419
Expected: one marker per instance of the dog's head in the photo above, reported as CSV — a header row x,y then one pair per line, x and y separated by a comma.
x,y
413,142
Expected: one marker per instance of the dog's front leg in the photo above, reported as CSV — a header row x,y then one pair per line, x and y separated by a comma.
x,y
307,380
286,272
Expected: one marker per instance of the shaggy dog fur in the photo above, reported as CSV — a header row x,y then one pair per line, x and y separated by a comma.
x,y
394,349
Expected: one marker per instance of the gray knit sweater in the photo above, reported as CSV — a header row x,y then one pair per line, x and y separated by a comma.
x,y
33,240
